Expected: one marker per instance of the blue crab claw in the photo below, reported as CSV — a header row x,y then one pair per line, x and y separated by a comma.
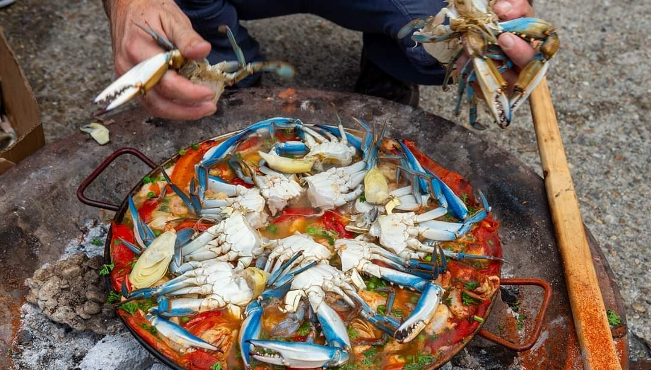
x,y
493,87
138,80
429,300
529,77
300,355
177,334
411,26
251,326
216,153
143,234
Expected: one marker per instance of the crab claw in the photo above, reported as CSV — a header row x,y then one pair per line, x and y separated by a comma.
x,y
177,334
138,80
300,355
429,300
493,86
529,77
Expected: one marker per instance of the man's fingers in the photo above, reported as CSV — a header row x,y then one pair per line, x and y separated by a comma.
x,y
173,86
518,50
161,107
191,44
512,9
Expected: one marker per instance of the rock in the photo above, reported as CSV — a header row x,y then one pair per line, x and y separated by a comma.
x,y
72,292
117,352
24,337
159,366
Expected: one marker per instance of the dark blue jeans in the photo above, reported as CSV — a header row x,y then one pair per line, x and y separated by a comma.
x,y
379,20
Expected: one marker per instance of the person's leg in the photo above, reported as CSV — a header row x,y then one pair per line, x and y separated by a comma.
x,y
379,20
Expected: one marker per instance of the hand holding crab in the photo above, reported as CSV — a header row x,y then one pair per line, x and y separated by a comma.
x,y
175,98
487,43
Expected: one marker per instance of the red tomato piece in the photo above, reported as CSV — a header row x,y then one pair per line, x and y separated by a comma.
x,y
205,321
198,360
147,209
120,254
292,213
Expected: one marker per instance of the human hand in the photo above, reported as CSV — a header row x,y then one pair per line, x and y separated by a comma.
x,y
174,97
515,48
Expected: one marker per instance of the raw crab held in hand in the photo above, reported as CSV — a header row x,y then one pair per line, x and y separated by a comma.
x,y
144,76
473,28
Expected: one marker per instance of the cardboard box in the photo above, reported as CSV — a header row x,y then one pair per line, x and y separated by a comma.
x,y
21,109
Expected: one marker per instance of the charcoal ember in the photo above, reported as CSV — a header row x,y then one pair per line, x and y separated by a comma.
x,y
72,292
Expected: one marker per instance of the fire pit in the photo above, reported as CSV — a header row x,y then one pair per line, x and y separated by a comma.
x,y
516,194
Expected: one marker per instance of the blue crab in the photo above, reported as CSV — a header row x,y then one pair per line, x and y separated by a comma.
x,y
473,28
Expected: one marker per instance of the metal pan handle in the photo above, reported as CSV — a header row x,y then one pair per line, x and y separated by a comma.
x,y
89,180
519,347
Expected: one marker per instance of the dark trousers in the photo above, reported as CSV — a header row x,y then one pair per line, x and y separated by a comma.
x,y
379,20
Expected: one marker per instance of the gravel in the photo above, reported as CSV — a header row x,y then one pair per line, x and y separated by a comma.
x,y
599,83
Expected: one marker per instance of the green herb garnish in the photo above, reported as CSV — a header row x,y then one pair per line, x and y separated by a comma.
x,y
467,300
272,228
362,198
304,329
501,326
98,242
613,318
150,328
146,180
519,322
352,333
150,195
216,366
471,285
130,307
194,146
106,269
182,152
113,297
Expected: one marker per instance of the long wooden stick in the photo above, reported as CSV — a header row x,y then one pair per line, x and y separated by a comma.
x,y
588,311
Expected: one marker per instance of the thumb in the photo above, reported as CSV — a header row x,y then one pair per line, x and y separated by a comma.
x,y
518,50
189,42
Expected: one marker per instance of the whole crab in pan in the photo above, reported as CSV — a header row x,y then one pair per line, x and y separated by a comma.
x,y
473,27
144,76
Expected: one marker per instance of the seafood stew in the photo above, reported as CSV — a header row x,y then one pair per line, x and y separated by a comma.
x,y
304,246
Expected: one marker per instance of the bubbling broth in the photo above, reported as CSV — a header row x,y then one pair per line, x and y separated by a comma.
x,y
358,311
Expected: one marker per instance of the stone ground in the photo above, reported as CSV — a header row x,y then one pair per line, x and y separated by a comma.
x,y
600,83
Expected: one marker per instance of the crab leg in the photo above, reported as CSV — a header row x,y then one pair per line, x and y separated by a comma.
x,y
177,334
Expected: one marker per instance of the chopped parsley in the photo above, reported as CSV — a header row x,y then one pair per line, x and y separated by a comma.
x,y
352,333
216,366
448,301
613,318
97,241
106,269
418,362
272,228
130,307
113,297
519,322
304,329
471,285
501,326
362,198
467,300
150,328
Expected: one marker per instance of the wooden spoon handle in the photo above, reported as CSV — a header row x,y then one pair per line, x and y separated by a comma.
x,y
590,320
